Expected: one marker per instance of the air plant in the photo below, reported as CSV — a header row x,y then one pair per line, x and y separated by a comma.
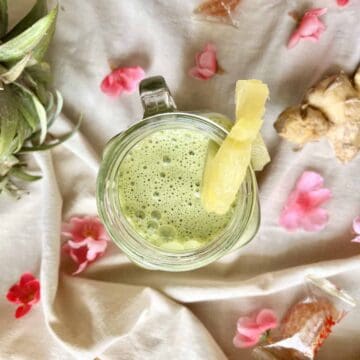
x,y
28,103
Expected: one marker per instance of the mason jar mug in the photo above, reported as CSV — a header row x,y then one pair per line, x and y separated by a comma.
x,y
149,185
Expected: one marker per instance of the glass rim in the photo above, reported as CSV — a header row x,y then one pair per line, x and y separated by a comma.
x,y
122,233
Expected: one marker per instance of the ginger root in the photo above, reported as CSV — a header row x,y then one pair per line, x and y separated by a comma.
x,y
330,109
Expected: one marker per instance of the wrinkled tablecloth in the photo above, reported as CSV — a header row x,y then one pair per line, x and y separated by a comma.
x,y
116,310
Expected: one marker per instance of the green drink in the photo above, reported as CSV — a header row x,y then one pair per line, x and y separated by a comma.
x,y
149,185
159,190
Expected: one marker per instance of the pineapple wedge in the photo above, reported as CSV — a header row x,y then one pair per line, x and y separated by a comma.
x,y
226,167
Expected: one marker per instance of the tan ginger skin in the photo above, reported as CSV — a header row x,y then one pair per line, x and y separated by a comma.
x,y
330,109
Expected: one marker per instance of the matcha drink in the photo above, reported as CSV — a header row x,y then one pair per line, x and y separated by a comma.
x,y
159,190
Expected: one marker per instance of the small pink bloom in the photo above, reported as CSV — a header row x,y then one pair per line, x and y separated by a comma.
x,y
121,80
302,209
356,229
25,293
249,330
342,2
87,240
206,63
310,27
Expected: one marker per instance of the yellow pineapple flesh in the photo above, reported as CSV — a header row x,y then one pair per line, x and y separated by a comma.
x,y
226,167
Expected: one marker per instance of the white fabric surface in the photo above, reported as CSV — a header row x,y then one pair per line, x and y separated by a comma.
x,y
116,310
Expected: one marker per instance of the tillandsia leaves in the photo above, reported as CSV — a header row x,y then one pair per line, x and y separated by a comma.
x,y
35,39
7,76
3,17
38,11
28,103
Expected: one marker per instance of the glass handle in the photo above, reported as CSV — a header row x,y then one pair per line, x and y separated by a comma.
x,y
155,96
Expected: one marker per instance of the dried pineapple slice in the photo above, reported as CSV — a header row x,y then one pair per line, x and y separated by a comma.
x,y
226,167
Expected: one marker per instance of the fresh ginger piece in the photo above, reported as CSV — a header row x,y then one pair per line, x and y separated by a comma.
x,y
301,124
331,109
226,168
337,98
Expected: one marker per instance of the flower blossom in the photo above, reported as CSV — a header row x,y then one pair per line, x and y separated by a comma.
x,y
206,63
25,293
356,229
122,80
302,209
87,240
309,28
249,330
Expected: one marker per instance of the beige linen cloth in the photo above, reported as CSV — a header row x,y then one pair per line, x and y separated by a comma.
x,y
116,310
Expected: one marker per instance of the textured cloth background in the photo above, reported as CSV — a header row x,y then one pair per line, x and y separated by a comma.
x,y
116,310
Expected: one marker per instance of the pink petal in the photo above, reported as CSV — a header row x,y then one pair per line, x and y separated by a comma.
x,y
136,73
316,12
79,255
309,26
22,310
103,235
309,200
81,268
194,72
32,288
248,327
210,47
127,83
14,293
312,38
66,230
242,341
356,225
267,319
206,73
342,2
208,61
77,228
309,181
318,197
294,39
26,277
356,239
96,247
110,87
78,244
290,219
315,220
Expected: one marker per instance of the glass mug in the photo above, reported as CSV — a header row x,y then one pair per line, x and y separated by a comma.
x,y
160,113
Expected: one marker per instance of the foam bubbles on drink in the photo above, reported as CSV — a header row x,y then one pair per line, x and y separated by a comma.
x,y
159,190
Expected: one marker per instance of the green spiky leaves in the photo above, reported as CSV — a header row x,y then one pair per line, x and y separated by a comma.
x,y
28,104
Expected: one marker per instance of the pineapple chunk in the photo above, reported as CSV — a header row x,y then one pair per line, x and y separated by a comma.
x,y
259,154
226,167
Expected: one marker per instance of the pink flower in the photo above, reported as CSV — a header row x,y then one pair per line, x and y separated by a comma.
x,y
26,293
356,229
206,63
302,209
121,80
250,330
310,27
342,2
87,240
